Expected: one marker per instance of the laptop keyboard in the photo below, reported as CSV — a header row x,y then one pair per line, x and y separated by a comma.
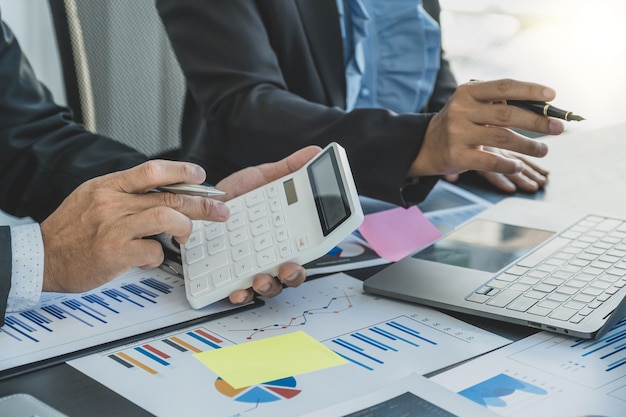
x,y
567,278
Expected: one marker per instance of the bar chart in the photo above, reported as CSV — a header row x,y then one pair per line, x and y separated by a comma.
x,y
610,348
155,357
593,363
135,303
369,347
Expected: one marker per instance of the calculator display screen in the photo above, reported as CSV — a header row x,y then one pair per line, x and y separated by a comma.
x,y
328,191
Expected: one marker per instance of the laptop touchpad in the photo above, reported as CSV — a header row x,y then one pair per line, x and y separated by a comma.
x,y
484,245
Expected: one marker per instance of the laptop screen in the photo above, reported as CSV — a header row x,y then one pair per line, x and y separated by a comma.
x,y
484,245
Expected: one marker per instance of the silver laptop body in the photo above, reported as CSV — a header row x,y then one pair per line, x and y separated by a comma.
x,y
522,261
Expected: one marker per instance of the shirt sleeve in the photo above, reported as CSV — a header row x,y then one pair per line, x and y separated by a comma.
x,y
27,266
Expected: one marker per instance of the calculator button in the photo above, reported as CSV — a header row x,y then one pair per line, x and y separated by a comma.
x,y
207,265
220,276
237,237
234,206
195,239
302,242
213,230
272,190
241,250
235,221
281,234
254,197
257,212
284,250
278,219
260,226
243,266
266,257
275,205
199,285
263,242
195,254
216,245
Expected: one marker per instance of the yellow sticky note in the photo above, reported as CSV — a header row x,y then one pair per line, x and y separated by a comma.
x,y
269,359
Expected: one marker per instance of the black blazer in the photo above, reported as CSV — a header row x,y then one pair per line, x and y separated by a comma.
x,y
266,77
43,154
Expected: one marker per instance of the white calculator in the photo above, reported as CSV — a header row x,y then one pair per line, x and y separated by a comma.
x,y
297,218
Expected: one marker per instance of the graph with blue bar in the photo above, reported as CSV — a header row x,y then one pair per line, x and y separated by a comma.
x,y
610,348
134,303
370,347
592,363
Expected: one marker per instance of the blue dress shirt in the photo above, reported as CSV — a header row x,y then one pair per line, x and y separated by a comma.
x,y
391,53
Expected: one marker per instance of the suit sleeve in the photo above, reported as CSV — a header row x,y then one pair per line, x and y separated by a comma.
x,y
43,154
263,111
5,269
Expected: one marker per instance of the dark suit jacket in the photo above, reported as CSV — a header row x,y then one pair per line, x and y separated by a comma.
x,y
266,77
43,154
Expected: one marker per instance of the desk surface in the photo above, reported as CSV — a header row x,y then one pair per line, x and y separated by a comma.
x,y
586,169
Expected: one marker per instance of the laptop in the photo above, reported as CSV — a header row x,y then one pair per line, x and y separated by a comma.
x,y
522,261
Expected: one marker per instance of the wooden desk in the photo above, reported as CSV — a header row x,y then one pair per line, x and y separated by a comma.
x,y
588,170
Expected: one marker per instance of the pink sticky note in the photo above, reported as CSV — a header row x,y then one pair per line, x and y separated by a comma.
x,y
398,232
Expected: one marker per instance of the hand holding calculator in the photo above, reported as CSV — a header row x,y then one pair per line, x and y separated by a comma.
x,y
297,218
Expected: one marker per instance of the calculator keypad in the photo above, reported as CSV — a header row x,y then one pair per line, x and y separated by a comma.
x,y
254,237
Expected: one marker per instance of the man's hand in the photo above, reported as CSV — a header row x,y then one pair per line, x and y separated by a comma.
x,y
476,120
530,179
290,274
97,232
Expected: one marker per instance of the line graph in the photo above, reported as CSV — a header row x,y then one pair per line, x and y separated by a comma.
x,y
335,305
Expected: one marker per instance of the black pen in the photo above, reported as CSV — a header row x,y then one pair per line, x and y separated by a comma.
x,y
545,109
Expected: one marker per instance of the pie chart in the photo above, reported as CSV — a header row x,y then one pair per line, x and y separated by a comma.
x,y
347,250
280,389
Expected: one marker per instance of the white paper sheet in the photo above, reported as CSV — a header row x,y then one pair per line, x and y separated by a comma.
x,y
548,375
413,396
382,339
136,302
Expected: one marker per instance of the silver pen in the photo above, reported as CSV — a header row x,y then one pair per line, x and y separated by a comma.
x,y
201,190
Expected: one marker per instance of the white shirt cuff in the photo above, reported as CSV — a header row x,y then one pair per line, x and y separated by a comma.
x,y
27,267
